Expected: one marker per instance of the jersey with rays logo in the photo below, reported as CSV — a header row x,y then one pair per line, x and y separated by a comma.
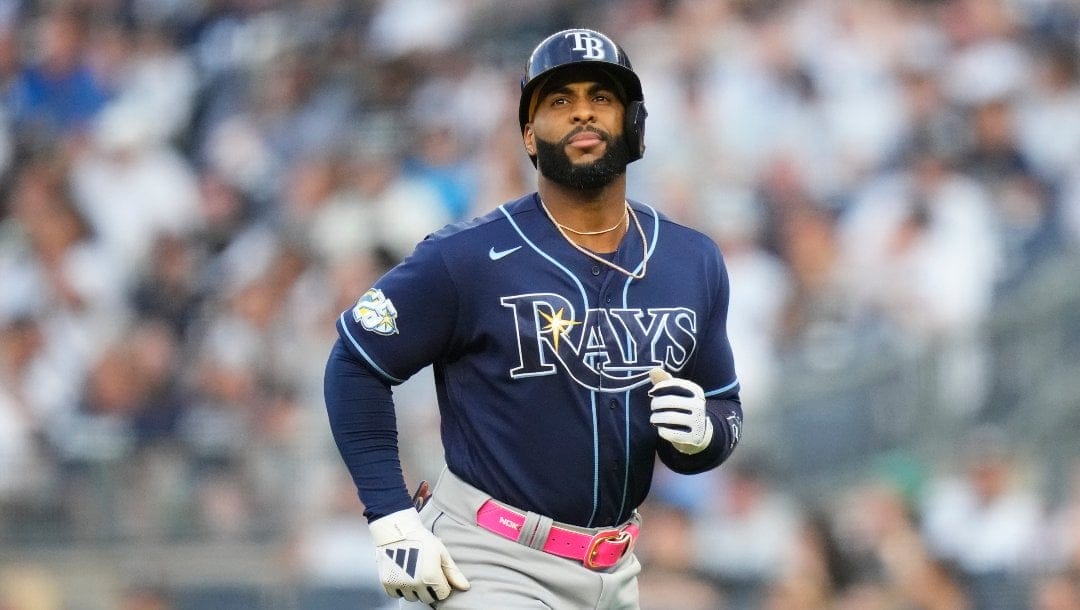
x,y
536,346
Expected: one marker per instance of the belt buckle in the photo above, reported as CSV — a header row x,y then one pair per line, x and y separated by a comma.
x,y
614,536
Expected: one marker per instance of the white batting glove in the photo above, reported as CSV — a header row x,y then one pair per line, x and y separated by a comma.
x,y
413,563
678,412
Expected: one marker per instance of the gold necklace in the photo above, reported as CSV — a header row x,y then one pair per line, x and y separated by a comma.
x,y
625,218
641,231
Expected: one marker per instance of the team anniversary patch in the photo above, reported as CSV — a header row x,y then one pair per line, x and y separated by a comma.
x,y
376,313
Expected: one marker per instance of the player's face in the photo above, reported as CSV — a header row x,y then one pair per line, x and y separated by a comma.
x,y
577,134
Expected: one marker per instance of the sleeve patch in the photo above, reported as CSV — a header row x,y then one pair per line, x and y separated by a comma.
x,y
376,313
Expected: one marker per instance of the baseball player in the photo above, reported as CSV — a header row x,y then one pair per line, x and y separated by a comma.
x,y
575,337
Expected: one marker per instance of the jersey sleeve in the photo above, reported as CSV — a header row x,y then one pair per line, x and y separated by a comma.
x,y
715,366
406,320
714,370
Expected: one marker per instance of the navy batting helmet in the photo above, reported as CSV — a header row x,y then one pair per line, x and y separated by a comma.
x,y
577,47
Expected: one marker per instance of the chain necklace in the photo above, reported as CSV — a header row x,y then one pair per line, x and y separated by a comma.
x,y
629,214
625,218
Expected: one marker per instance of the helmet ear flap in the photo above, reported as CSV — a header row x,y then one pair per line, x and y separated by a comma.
x,y
635,129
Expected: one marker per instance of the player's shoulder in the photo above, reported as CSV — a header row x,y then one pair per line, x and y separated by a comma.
x,y
493,221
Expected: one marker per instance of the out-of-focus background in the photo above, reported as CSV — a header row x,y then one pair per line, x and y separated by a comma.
x,y
190,192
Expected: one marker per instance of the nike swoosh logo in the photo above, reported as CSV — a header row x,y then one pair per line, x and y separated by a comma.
x,y
496,255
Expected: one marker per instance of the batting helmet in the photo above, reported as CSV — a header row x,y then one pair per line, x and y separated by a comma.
x,y
577,47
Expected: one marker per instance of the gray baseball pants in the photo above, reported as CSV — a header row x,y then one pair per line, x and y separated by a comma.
x,y
505,574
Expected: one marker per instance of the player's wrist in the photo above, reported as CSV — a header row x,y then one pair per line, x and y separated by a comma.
x,y
395,527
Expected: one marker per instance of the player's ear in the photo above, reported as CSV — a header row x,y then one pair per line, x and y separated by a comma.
x,y
528,136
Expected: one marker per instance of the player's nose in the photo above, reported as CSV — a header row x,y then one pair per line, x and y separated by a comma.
x,y
583,111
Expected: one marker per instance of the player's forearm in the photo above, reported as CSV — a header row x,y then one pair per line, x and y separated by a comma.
x,y
726,416
361,411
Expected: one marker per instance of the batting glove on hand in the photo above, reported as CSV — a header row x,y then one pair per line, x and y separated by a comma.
x,y
413,563
678,412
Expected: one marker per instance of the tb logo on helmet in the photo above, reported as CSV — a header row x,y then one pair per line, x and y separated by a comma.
x,y
590,46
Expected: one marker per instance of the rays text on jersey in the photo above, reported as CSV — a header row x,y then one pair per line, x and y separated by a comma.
x,y
606,349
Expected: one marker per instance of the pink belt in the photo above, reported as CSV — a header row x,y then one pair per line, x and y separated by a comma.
x,y
602,549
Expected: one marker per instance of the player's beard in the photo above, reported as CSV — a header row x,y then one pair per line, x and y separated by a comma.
x,y
555,164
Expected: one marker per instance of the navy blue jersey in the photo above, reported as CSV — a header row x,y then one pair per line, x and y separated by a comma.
x,y
541,354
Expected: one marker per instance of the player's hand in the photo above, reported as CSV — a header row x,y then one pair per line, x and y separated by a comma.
x,y
678,412
413,563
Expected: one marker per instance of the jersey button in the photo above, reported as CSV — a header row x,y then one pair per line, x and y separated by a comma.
x,y
613,403
596,269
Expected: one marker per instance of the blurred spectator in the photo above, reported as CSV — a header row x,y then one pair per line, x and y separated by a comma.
x,y
986,520
1048,126
20,345
879,530
157,80
439,160
307,187
931,121
759,99
132,186
369,211
56,94
57,272
669,572
289,114
226,215
325,211
819,329
757,307
985,58
1023,209
814,571
171,287
331,551
909,239
743,537
129,408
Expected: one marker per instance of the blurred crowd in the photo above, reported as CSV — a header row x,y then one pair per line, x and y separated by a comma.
x,y
190,192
